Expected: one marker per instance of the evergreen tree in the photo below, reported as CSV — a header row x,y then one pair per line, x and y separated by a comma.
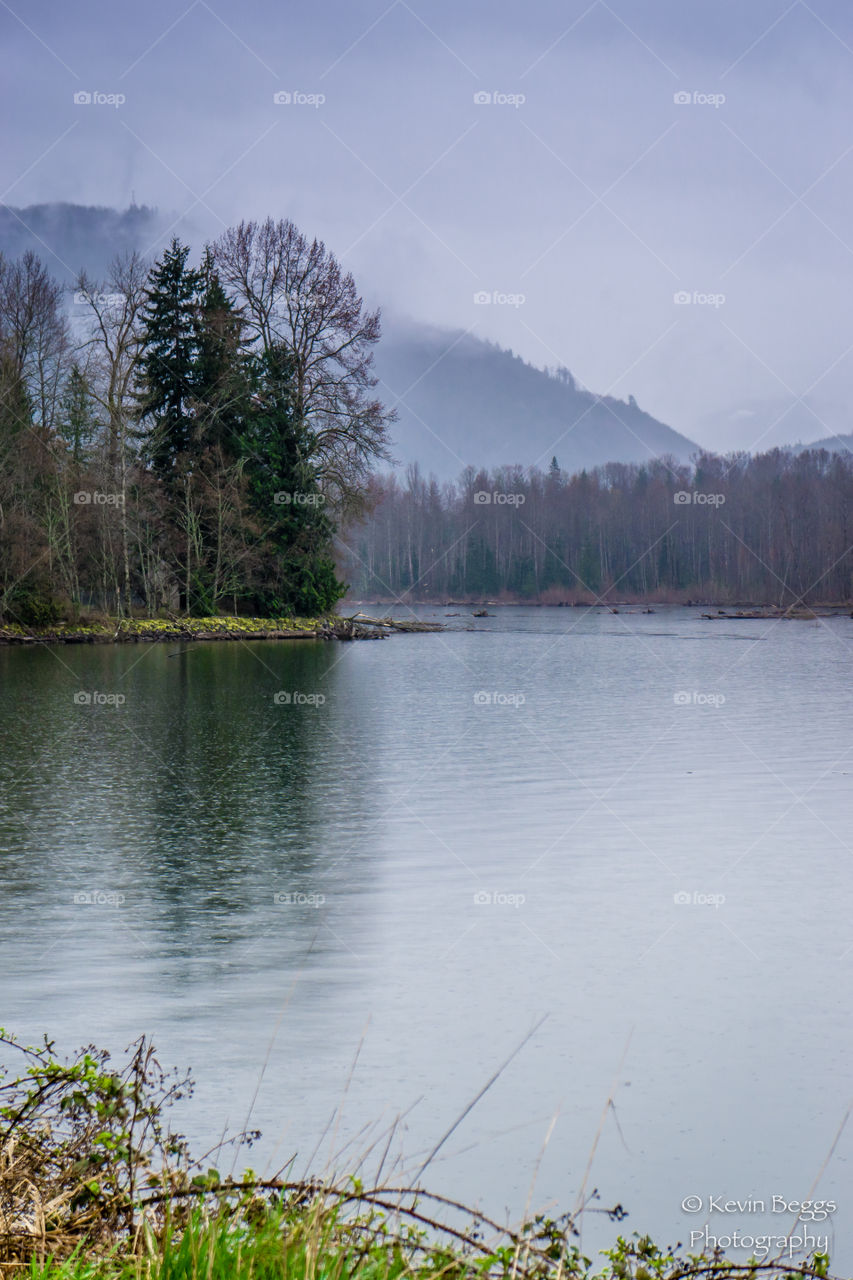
x,y
168,362
76,423
221,383
298,573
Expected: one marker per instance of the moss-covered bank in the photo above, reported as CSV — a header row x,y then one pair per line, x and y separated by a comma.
x,y
142,630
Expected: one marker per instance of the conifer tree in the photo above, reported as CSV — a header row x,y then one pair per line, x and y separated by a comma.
x,y
222,380
168,363
77,423
298,573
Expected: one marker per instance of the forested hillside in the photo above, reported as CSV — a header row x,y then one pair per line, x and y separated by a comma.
x,y
462,401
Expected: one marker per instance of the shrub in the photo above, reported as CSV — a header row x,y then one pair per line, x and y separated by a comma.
x,y
32,608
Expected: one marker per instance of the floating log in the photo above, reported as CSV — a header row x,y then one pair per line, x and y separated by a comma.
x,y
395,624
770,615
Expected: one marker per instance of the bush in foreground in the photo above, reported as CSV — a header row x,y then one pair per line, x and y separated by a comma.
x,y
95,1186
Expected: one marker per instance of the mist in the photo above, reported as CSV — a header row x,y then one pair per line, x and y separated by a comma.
x,y
583,186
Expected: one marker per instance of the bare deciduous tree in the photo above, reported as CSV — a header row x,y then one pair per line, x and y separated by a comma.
x,y
293,292
112,346
34,332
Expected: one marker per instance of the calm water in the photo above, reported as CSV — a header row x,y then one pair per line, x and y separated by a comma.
x,y
388,863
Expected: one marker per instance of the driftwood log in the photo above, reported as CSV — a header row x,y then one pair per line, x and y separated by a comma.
x,y
395,624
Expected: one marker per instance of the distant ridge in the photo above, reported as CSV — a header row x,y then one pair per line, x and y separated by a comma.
x,y
68,237
466,401
834,444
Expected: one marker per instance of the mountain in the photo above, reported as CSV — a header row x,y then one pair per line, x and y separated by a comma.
x,y
69,236
835,444
785,423
463,400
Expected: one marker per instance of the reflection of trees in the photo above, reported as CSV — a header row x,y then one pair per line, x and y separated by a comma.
x,y
233,802
200,797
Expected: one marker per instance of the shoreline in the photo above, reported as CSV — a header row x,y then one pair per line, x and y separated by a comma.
x,y
359,626
161,631
228,627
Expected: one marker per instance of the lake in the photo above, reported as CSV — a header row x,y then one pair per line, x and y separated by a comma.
x,y
277,858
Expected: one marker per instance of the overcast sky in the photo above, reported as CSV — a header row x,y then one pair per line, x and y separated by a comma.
x,y
583,186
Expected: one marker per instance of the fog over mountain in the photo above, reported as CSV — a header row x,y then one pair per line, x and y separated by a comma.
x,y
461,400
758,425
835,444
68,237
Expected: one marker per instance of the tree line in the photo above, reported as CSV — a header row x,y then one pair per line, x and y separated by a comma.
x,y
772,528
191,438
184,438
